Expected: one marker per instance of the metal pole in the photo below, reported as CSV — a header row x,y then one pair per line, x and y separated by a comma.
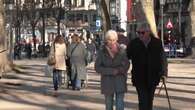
x,y
134,19
162,25
182,40
179,17
43,34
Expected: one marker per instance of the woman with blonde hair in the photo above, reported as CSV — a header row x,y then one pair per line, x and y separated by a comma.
x,y
112,64
58,50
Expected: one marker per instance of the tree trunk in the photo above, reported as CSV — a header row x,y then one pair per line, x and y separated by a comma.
x,y
34,36
105,16
192,15
4,63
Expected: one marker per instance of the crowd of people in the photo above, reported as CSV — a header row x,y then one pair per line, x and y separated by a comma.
x,y
112,62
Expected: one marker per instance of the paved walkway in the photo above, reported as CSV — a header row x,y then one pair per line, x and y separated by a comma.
x,y
32,90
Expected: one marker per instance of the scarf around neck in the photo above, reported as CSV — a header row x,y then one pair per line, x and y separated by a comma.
x,y
112,49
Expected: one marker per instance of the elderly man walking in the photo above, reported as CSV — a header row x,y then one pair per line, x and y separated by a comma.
x,y
148,65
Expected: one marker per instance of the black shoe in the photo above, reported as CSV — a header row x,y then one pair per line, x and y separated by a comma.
x,y
73,88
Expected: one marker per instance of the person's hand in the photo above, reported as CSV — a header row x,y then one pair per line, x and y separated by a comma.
x,y
123,46
115,71
122,71
164,78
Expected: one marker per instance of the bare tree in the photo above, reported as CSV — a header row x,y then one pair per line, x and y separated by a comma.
x,y
4,63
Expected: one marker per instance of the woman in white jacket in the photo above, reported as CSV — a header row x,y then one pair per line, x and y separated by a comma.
x,y
58,49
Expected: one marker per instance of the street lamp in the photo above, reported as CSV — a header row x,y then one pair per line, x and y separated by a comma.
x,y
113,12
162,3
134,17
112,8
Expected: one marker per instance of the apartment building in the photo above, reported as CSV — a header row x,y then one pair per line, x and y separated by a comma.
x,y
83,14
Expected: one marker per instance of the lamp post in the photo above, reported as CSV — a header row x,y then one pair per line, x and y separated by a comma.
x,y
112,11
134,18
179,22
179,15
11,9
162,3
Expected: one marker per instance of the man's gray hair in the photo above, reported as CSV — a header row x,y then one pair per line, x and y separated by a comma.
x,y
143,26
111,34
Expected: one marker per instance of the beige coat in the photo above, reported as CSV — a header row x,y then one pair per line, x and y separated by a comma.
x,y
60,55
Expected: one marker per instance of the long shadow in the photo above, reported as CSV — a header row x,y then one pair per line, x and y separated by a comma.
x,y
179,90
33,67
30,79
27,73
93,80
179,83
65,96
175,77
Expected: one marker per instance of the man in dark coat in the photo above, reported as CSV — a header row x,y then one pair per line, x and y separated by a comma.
x,y
148,66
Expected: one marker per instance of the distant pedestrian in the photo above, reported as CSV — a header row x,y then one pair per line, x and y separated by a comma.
x,y
122,39
17,51
58,50
78,57
148,65
112,63
29,50
91,48
47,49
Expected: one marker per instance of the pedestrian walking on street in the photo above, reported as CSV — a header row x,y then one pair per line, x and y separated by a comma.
x,y
122,39
28,47
112,63
58,49
78,62
149,64
90,45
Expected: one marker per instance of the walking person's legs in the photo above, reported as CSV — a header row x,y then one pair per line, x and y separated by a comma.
x,y
119,101
78,83
109,101
59,77
55,79
143,98
151,97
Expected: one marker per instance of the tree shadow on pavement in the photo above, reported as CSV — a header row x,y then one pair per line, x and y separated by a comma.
x,y
34,91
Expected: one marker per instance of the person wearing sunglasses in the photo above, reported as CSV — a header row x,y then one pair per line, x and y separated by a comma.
x,y
149,64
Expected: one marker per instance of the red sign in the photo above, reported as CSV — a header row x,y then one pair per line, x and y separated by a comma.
x,y
129,10
169,25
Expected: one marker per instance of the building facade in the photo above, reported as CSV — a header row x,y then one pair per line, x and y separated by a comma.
x,y
83,14
118,13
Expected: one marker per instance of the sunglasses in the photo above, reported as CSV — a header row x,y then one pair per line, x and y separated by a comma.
x,y
141,32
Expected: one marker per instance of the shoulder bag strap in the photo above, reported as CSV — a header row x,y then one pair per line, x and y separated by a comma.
x,y
74,49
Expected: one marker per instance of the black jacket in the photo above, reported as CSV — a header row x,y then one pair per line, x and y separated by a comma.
x,y
148,63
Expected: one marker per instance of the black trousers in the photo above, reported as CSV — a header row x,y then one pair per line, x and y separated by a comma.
x,y
145,97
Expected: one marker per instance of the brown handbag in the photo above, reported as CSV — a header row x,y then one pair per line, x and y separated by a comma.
x,y
52,59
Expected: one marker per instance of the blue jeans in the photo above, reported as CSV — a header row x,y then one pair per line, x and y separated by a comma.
x,y
76,82
145,97
119,101
57,78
